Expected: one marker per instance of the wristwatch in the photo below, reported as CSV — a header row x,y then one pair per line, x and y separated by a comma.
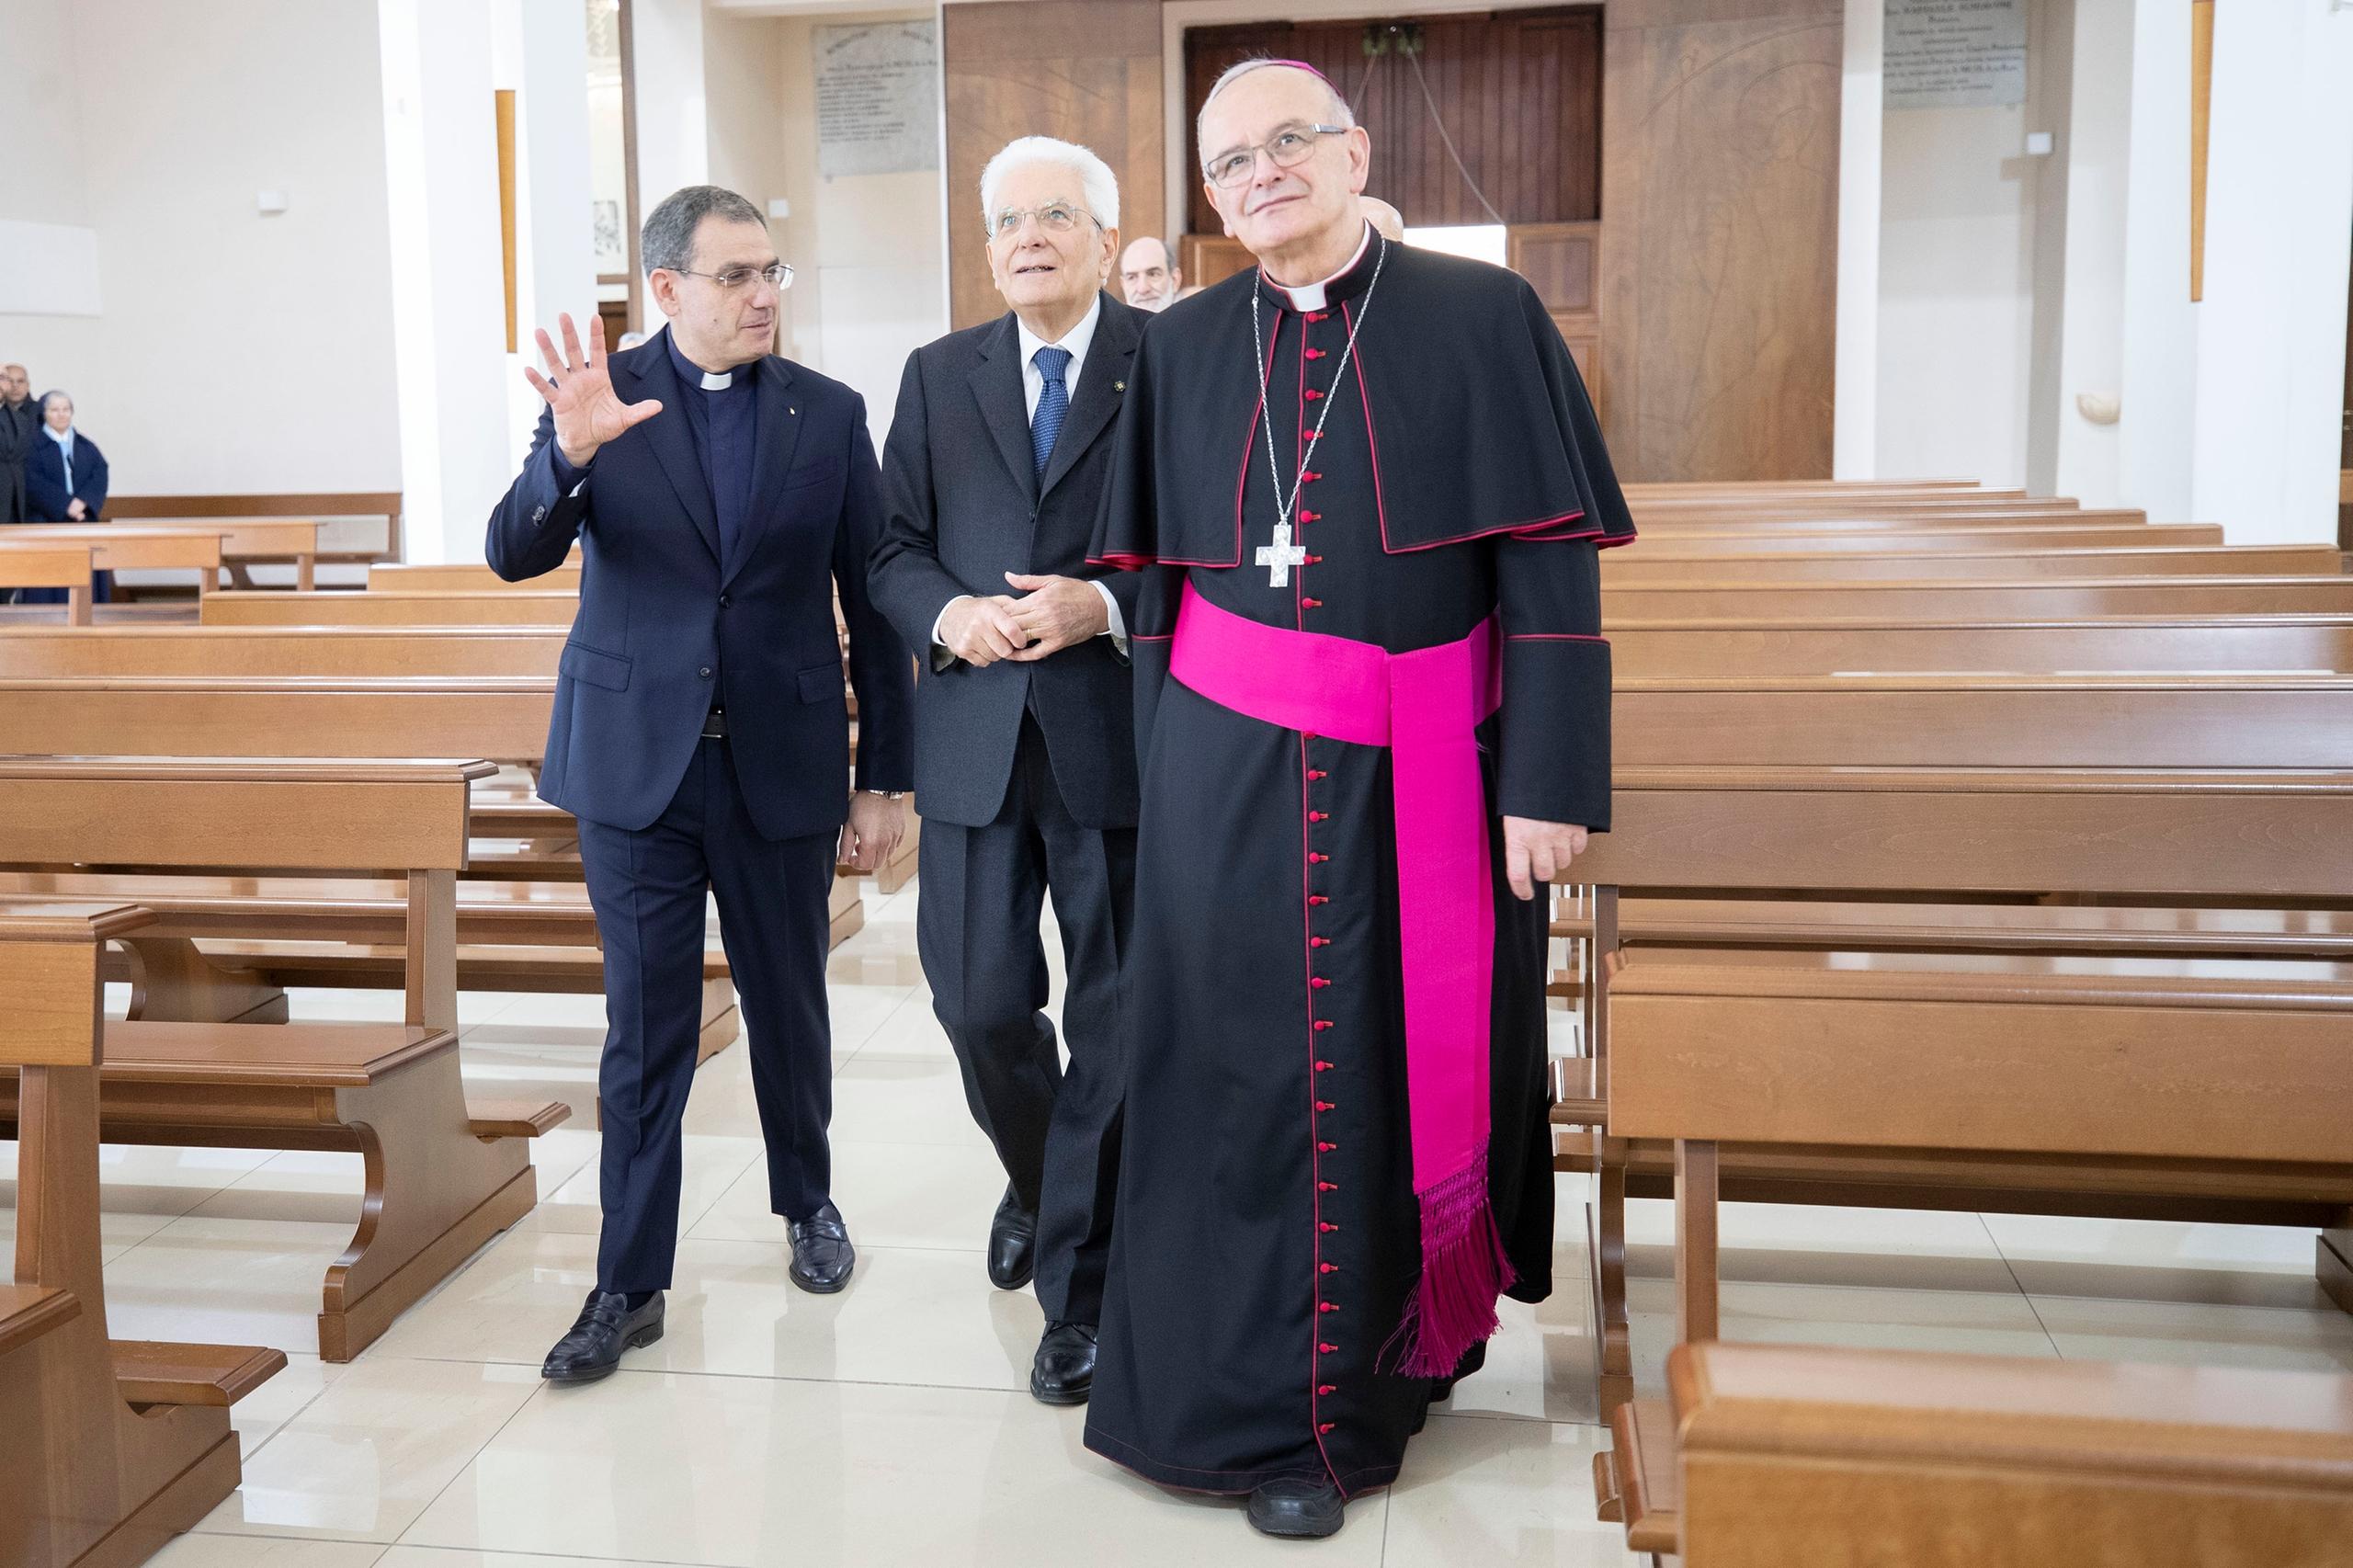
x,y
886,794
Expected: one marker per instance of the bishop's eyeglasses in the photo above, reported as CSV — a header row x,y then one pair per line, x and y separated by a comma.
x,y
1288,148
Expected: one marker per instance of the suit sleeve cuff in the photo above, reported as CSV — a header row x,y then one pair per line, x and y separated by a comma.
x,y
1117,628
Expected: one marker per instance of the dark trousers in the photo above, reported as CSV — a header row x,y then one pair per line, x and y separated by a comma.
x,y
977,929
649,887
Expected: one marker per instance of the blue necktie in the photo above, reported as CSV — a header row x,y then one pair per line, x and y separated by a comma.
x,y
1053,403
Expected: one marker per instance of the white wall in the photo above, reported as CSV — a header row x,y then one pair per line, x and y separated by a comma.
x,y
233,351
1854,441
37,81
870,282
2279,228
1956,294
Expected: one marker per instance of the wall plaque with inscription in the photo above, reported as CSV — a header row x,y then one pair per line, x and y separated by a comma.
x,y
877,98
1955,53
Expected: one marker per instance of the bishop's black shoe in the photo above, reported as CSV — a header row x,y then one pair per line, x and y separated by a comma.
x,y
1013,1243
1062,1372
822,1255
1297,1508
604,1328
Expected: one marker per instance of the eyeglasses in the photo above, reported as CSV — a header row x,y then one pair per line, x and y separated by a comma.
x,y
1055,218
1289,148
778,274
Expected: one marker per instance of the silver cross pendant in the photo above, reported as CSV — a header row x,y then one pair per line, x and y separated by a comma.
x,y
1279,557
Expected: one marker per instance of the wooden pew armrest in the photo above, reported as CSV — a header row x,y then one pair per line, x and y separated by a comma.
x,y
1578,1100
1650,1488
27,1312
148,1372
490,1120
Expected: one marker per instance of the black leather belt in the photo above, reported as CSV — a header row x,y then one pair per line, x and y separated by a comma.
x,y
714,724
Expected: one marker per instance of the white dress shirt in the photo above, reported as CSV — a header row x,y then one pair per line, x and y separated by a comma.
x,y
1077,341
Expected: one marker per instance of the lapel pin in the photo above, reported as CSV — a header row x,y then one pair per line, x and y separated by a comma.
x,y
1118,386
789,409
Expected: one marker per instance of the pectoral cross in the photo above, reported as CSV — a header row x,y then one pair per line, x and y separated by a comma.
x,y
1279,557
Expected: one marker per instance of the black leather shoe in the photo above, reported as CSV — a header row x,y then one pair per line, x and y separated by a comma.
x,y
604,1328
1062,1372
1302,1509
1013,1245
822,1255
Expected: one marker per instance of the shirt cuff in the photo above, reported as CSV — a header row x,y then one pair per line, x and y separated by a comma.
x,y
1117,631
940,619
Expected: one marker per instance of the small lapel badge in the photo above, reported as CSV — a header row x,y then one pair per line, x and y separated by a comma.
x,y
1118,386
789,409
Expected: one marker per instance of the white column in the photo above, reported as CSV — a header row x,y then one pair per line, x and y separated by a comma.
x,y
2279,225
2159,335
1854,440
449,307
2097,147
673,144
557,267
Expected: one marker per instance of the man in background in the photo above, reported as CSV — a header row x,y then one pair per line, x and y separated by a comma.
x,y
19,427
1149,275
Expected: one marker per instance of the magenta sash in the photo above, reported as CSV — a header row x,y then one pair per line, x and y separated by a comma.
x,y
1423,706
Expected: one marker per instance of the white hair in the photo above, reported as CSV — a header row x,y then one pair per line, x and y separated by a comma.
x,y
1097,185
1340,113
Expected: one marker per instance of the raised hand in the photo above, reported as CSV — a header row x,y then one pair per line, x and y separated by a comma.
x,y
588,412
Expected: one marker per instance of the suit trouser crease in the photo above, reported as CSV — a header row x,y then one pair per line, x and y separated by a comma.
x,y
1056,1132
651,889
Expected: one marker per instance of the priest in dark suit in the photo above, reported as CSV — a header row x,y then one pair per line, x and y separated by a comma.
x,y
720,495
1025,768
1365,490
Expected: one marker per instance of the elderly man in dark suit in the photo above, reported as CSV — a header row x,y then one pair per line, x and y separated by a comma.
x,y
720,495
1025,758
19,427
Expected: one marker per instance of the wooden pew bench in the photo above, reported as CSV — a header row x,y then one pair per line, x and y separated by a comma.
x,y
1674,562
2082,532
124,547
352,525
2016,599
514,607
111,1446
467,578
2236,1069
442,1177
1765,646
2175,838
1796,1454
67,567
233,651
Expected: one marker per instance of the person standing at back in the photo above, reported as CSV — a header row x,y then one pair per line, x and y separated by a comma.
x,y
720,495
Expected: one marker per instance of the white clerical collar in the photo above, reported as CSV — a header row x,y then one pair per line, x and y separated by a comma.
x,y
1075,339
1309,297
718,382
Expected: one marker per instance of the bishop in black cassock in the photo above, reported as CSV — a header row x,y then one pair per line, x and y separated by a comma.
x,y
1336,1149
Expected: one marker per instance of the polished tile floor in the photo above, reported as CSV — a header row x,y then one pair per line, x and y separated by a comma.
x,y
889,1424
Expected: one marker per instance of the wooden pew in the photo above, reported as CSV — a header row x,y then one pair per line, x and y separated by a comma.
x,y
363,525
1668,564
514,607
466,577
502,719
110,1447
2035,599
1683,539
246,542
1793,1454
2213,1065
117,547
279,652
2194,839
442,1177
1704,649
49,566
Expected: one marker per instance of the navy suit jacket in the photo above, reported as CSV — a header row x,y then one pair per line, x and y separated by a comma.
x,y
965,506
45,491
668,629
